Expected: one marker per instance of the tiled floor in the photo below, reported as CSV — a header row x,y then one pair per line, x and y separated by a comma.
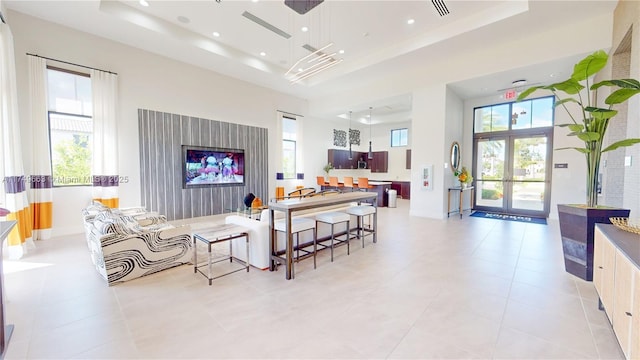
x,y
470,288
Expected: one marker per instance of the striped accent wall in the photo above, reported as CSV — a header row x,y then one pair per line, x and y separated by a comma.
x,y
161,138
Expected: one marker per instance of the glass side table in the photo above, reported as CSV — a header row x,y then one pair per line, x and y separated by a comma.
x,y
214,234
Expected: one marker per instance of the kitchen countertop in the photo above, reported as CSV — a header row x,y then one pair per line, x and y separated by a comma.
x,y
387,180
379,182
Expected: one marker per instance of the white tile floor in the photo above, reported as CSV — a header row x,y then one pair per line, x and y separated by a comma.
x,y
453,288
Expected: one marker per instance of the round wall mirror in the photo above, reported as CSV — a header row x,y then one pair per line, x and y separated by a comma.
x,y
455,156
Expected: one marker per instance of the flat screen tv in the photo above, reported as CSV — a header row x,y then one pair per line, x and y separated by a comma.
x,y
211,166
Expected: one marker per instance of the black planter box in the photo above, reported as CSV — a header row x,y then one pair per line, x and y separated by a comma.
x,y
577,223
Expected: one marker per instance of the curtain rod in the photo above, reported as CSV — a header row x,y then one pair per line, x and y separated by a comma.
x,y
70,63
288,113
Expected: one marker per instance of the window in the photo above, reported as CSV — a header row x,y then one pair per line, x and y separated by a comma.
x,y
399,137
70,127
289,128
527,114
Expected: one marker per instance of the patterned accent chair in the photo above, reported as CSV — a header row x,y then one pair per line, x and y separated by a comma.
x,y
126,244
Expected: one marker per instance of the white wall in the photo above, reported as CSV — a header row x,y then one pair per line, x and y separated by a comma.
x,y
455,130
145,81
429,117
627,15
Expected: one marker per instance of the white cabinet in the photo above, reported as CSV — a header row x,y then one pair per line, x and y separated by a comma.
x,y
635,326
617,280
604,262
622,301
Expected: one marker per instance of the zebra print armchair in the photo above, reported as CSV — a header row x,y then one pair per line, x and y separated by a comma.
x,y
127,244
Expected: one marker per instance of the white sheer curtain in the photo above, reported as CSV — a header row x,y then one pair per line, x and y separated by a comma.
x,y
41,182
13,194
104,86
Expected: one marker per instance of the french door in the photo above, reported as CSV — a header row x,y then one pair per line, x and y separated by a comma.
x,y
513,173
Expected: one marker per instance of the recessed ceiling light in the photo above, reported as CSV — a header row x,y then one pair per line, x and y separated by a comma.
x,y
263,54
254,0
184,19
304,29
410,21
341,51
143,2
216,34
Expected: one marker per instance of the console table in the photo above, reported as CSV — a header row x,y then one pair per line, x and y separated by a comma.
x,y
5,330
460,190
292,205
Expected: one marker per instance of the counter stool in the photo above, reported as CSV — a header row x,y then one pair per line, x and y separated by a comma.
x,y
360,212
333,218
299,225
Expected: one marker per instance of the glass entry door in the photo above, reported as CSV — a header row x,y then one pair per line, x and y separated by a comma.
x,y
512,174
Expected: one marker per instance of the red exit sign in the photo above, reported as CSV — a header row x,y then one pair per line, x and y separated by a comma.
x,y
510,94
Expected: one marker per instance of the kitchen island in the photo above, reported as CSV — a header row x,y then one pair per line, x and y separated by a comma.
x,y
379,187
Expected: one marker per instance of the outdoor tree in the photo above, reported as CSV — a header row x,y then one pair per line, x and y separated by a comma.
x,y
72,161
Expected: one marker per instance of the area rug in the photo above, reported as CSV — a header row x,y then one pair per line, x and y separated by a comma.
x,y
521,218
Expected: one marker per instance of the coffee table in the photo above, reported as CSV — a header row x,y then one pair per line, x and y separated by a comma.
x,y
214,234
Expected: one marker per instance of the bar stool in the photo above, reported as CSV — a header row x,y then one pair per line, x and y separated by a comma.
x,y
360,212
333,182
299,225
363,184
321,181
348,182
333,218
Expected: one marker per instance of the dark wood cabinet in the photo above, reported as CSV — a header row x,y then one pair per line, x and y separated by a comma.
x,y
380,162
403,188
340,159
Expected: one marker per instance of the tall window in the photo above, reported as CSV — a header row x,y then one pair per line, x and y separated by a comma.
x,y
399,137
70,126
289,127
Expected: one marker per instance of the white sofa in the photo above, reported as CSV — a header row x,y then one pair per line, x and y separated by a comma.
x,y
259,233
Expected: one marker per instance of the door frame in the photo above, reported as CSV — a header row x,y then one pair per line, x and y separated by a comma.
x,y
509,136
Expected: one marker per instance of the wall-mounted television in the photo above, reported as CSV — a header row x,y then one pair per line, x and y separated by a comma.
x,y
212,166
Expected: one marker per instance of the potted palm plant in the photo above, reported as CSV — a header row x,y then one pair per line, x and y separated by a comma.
x,y
577,221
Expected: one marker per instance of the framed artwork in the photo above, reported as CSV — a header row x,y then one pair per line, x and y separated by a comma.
x,y
339,138
427,177
354,136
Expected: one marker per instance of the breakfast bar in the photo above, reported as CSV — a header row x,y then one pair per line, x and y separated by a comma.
x,y
292,205
379,187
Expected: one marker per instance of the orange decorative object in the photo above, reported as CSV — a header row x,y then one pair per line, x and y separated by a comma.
x,y
279,192
256,203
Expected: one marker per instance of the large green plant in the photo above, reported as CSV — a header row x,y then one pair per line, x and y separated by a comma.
x,y
592,125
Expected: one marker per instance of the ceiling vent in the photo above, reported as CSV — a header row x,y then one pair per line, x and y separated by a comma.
x,y
302,6
265,24
441,7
